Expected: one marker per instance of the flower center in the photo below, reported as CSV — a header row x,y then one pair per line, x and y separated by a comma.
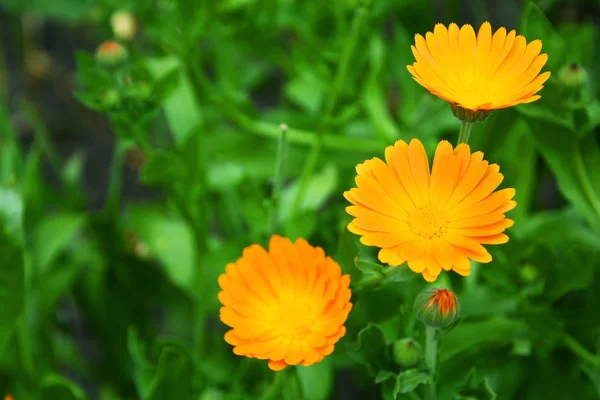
x,y
293,321
427,222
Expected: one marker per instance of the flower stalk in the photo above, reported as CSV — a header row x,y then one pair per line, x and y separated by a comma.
x,y
278,177
431,361
465,131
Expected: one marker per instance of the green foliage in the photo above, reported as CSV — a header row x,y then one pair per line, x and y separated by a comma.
x,y
107,295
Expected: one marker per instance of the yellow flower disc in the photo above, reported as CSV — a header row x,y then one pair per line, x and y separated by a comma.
x,y
287,305
482,71
435,220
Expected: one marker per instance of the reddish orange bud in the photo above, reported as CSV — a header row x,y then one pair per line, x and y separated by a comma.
x,y
111,54
436,307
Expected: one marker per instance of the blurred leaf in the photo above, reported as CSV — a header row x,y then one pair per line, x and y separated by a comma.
x,y
468,335
320,187
180,105
11,253
474,389
347,251
535,25
51,235
307,90
143,371
316,380
409,380
170,241
371,350
55,387
174,373
373,97
563,155
163,168
582,41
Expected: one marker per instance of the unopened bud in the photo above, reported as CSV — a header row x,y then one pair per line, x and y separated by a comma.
x,y
437,308
573,76
407,352
528,273
111,54
124,25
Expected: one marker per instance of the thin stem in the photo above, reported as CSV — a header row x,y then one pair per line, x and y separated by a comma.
x,y
580,351
278,177
431,361
273,392
465,131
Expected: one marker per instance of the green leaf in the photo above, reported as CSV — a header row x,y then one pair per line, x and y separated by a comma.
x,y
316,380
474,389
468,335
320,187
55,387
174,375
164,168
143,371
371,350
347,251
563,155
181,107
307,90
52,235
12,275
535,25
170,241
409,380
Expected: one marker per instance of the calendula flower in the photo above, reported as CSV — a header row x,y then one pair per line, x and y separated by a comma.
x,y
436,307
434,220
287,305
479,72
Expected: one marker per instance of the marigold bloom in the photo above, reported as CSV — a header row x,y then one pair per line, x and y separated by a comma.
x,y
479,72
287,305
437,307
432,220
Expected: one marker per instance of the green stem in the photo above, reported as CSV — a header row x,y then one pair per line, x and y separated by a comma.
x,y
431,361
465,131
586,185
278,177
580,351
273,392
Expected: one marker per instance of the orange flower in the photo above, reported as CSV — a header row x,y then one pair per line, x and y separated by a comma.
x,y
287,305
479,72
432,220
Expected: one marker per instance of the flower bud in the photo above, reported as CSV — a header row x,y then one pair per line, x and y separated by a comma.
x,y
407,352
111,54
124,25
573,76
528,273
437,308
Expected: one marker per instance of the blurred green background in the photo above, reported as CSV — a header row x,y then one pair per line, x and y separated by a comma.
x,y
125,191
